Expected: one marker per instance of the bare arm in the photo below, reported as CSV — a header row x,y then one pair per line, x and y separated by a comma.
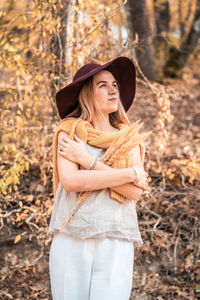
x,y
128,190
73,179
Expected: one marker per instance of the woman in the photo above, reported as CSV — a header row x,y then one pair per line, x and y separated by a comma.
x,y
98,173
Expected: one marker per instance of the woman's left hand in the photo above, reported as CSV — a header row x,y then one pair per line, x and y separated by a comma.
x,y
74,151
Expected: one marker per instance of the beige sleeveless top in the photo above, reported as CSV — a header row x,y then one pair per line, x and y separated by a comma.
x,y
98,216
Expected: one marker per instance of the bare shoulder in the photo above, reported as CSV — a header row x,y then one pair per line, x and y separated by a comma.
x,y
61,135
64,165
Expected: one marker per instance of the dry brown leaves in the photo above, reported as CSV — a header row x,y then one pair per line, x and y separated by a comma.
x,y
167,265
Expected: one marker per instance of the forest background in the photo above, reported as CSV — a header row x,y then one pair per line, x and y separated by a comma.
x,y
43,43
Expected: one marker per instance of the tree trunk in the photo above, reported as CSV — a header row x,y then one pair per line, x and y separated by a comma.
x,y
139,24
69,32
178,58
181,22
162,16
62,46
162,19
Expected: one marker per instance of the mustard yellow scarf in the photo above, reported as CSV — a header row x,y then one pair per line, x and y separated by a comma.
x,y
118,145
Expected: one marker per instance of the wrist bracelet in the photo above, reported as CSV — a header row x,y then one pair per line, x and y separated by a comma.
x,y
92,162
137,174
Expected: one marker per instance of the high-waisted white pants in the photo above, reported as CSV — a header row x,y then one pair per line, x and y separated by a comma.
x,y
91,269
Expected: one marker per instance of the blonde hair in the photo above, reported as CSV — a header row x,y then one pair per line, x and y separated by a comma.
x,y
87,106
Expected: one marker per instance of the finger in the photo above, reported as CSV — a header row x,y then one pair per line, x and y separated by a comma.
x,y
60,152
144,186
63,153
77,138
66,139
61,144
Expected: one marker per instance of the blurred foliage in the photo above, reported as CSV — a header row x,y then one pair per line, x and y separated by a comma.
x,y
181,15
29,78
29,71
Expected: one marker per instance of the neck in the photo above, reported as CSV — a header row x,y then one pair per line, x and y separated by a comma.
x,y
102,123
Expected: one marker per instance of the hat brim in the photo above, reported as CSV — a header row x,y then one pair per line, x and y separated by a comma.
x,y
122,69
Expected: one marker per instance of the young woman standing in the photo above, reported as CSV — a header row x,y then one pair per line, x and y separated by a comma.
x,y
98,174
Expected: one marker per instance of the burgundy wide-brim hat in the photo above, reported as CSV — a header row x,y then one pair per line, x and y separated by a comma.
x,y
122,69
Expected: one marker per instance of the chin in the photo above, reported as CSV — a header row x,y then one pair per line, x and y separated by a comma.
x,y
115,109
112,109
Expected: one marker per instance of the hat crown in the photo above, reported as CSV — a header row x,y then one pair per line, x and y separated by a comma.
x,y
122,69
85,70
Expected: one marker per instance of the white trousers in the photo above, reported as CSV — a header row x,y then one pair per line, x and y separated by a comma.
x,y
91,269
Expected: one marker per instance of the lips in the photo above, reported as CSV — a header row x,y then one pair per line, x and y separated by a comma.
x,y
112,99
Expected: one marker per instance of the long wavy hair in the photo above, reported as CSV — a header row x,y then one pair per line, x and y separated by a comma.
x,y
87,106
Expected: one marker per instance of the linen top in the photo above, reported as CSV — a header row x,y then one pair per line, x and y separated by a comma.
x,y
98,216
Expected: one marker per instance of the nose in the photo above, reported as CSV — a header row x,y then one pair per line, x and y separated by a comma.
x,y
112,90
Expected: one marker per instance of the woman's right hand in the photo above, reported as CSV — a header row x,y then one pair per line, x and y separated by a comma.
x,y
143,180
73,150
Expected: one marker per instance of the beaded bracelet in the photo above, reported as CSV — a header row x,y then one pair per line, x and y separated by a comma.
x,y
92,162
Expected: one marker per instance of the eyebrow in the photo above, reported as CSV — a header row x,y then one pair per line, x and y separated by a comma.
x,y
104,81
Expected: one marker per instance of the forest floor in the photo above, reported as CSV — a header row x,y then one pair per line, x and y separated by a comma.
x,y
167,266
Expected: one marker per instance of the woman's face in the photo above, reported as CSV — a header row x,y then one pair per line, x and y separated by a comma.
x,y
106,92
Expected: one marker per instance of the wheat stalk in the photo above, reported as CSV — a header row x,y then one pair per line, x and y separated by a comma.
x,y
119,148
